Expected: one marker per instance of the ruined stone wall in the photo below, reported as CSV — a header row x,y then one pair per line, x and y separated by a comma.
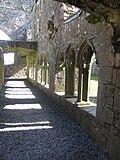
x,y
57,39
46,20
45,12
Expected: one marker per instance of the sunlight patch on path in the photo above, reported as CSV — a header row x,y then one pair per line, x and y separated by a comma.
x,y
20,96
25,123
24,128
23,106
20,84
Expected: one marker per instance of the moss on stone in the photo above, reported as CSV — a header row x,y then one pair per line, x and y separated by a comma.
x,y
22,51
95,18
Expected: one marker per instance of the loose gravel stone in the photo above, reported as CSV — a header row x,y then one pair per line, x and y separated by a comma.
x,y
32,127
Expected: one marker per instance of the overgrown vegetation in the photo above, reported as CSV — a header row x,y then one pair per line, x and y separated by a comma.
x,y
95,78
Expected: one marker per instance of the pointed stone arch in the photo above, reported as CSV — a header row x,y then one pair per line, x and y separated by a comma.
x,y
70,63
84,57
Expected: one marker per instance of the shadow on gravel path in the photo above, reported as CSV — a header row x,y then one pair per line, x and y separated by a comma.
x,y
33,128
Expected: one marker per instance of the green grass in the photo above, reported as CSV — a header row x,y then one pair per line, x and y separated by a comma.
x,y
95,78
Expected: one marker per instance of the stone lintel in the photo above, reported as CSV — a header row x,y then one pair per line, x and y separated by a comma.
x,y
22,44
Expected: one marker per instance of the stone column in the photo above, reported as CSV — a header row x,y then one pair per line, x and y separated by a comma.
x,y
36,68
52,76
1,68
79,84
69,80
47,74
41,73
86,78
32,70
45,71
52,58
27,60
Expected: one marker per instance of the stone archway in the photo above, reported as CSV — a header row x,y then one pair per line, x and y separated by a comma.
x,y
84,64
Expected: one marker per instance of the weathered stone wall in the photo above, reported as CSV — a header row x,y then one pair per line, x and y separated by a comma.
x,y
55,40
15,19
42,34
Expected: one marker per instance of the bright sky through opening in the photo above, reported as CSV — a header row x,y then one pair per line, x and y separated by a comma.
x,y
4,36
9,57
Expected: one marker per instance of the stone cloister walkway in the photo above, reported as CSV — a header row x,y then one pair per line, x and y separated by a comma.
x,y
33,128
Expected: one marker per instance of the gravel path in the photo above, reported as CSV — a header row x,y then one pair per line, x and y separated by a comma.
x,y
33,128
